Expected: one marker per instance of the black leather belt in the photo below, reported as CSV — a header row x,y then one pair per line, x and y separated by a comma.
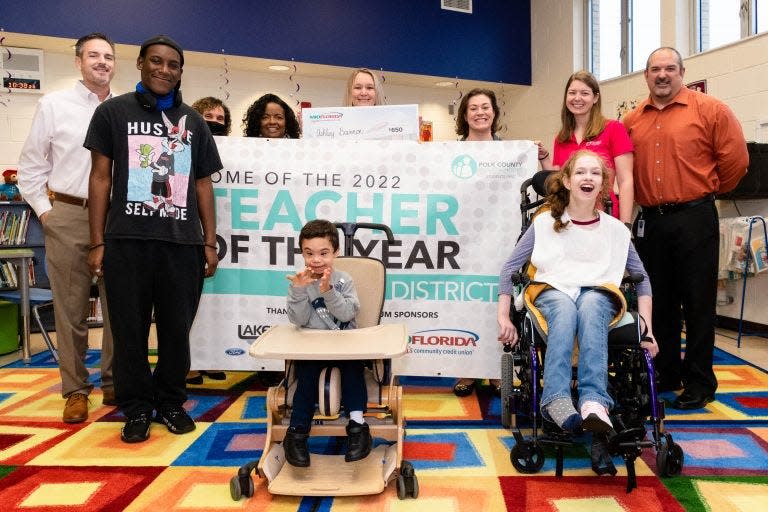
x,y
664,209
65,198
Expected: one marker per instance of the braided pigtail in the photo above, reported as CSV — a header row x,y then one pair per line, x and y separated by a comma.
x,y
557,198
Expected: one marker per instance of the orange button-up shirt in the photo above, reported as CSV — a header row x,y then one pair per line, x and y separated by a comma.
x,y
692,147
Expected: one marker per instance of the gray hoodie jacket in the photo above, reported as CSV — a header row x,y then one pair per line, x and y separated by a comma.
x,y
341,302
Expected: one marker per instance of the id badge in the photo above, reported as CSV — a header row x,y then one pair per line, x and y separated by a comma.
x,y
640,228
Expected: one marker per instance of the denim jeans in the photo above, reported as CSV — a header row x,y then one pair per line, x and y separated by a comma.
x,y
588,319
354,394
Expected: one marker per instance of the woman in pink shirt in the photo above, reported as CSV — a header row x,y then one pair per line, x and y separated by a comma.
x,y
585,127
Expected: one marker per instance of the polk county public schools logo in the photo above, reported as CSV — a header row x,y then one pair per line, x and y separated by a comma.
x,y
464,166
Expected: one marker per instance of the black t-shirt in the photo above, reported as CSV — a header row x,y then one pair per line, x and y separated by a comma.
x,y
156,158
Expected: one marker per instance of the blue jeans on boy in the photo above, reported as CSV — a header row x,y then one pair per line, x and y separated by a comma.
x,y
587,318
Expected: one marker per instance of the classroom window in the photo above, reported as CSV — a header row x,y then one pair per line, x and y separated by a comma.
x,y
645,25
621,35
760,16
719,22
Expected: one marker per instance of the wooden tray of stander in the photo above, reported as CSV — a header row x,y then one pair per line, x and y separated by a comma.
x,y
330,475
383,341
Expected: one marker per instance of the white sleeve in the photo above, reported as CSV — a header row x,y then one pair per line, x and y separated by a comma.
x,y
35,163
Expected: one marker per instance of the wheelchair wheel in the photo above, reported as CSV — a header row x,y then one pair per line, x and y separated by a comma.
x,y
675,460
414,487
527,457
669,457
507,376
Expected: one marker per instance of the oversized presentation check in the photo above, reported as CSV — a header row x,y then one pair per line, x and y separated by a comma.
x,y
388,122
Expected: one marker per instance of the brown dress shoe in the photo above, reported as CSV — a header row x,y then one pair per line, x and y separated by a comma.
x,y
76,409
108,397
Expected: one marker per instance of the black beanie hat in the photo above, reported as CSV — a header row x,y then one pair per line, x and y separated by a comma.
x,y
161,39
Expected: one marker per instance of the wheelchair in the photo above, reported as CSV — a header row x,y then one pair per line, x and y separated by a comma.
x,y
330,475
632,384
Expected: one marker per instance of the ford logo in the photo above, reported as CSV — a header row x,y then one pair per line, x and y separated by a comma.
x,y
234,351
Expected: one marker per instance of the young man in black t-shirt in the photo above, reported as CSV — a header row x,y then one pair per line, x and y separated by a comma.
x,y
153,233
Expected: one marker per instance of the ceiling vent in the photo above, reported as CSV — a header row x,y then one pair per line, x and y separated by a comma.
x,y
457,5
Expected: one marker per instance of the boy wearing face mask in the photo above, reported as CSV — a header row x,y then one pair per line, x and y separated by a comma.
x,y
215,113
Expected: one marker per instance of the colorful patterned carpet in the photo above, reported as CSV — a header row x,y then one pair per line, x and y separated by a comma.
x,y
457,446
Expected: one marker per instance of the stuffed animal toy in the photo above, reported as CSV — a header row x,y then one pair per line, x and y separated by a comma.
x,y
8,189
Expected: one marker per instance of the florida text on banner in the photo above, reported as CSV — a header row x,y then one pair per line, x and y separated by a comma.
x,y
452,206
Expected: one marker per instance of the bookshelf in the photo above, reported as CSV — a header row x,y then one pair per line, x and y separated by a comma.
x,y
22,259
21,229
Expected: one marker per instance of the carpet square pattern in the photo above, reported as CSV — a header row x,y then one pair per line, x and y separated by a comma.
x,y
457,446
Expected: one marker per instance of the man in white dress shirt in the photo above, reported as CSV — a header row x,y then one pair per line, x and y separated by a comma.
x,y
54,159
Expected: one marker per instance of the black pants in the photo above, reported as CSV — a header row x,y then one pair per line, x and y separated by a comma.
x,y
680,252
140,275
354,395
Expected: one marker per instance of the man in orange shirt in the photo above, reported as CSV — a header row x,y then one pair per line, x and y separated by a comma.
x,y
688,147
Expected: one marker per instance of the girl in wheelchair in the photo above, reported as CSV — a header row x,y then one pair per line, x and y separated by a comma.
x,y
578,256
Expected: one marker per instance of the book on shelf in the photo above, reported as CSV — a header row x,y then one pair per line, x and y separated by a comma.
x,y
21,236
9,278
8,271
13,227
5,228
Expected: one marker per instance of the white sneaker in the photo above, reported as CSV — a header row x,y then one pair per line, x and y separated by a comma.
x,y
594,418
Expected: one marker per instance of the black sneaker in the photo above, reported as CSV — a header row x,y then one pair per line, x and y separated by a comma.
x,y
358,441
136,428
296,448
176,419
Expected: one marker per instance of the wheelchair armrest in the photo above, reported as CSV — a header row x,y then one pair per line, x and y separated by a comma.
x,y
633,278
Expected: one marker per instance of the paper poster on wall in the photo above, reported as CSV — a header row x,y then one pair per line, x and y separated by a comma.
x,y
698,85
453,208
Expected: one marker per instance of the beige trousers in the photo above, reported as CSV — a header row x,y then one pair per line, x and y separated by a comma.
x,y
66,254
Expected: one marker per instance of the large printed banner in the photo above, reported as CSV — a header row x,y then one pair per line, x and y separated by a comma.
x,y
453,208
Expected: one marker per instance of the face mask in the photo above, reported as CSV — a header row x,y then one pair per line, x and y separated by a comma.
x,y
216,128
